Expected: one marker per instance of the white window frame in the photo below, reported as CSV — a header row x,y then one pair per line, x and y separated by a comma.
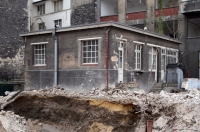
x,y
138,57
58,5
171,56
151,65
90,51
41,9
58,22
39,54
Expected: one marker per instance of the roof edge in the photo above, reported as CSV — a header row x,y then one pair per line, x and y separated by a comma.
x,y
99,25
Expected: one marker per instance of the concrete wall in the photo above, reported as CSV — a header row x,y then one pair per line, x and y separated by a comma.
x,y
73,74
192,57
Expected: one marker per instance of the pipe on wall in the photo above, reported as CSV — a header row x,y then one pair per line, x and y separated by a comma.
x,y
107,51
55,58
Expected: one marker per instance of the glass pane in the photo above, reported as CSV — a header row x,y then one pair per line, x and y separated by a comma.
x,y
84,60
89,54
89,43
85,54
89,60
93,60
93,54
93,48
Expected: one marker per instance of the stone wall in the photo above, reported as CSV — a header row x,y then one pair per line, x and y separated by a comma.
x,y
13,20
83,12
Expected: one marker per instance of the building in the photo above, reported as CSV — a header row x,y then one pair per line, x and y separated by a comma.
x,y
63,13
177,19
97,55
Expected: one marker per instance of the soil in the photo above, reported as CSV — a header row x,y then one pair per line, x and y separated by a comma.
x,y
75,114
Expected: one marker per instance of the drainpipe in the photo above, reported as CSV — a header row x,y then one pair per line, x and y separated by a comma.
x,y
107,51
55,58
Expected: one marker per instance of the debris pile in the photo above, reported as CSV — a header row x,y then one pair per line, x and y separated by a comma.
x,y
168,111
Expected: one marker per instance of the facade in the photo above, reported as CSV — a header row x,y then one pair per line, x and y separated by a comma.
x,y
177,19
63,13
97,55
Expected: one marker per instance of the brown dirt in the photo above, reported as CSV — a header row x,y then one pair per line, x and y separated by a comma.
x,y
76,115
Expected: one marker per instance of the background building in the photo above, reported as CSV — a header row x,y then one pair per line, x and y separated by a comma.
x,y
13,20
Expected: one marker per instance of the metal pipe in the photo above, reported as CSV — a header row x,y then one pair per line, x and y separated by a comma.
x,y
107,52
55,58
55,61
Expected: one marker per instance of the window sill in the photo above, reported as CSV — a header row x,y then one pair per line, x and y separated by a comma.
x,y
39,65
140,71
89,64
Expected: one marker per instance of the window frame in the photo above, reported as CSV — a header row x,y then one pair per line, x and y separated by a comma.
x,y
58,22
41,56
89,50
41,9
151,68
80,51
58,5
41,26
138,55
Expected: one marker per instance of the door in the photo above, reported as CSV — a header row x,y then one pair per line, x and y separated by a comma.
x,y
121,63
153,60
163,64
155,65
4,88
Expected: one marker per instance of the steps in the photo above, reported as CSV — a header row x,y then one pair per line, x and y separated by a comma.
x,y
157,87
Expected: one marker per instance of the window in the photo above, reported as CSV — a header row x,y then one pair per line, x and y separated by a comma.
x,y
90,52
166,3
171,56
41,9
58,22
193,28
41,26
40,54
138,52
152,58
58,5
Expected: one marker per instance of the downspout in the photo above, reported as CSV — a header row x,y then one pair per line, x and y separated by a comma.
x,y
55,58
107,52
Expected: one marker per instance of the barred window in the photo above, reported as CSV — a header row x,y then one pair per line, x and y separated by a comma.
x,y
40,54
90,52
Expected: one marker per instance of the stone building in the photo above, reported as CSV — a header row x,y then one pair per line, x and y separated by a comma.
x,y
96,55
177,19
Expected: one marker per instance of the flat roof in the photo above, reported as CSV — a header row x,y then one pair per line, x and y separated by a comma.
x,y
99,25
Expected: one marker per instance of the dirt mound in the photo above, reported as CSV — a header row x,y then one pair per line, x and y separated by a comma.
x,y
75,114
114,110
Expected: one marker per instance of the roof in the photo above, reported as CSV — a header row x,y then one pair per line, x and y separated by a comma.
x,y
98,25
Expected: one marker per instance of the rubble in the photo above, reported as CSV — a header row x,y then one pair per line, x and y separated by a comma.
x,y
169,111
